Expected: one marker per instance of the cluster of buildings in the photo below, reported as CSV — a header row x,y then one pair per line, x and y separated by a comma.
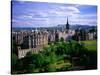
x,y
81,35
34,40
27,41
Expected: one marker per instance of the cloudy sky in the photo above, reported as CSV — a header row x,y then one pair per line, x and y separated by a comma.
x,y
40,14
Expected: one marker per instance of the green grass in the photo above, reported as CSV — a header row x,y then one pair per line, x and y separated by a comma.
x,y
90,44
91,47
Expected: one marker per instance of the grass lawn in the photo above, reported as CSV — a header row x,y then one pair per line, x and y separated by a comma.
x,y
90,44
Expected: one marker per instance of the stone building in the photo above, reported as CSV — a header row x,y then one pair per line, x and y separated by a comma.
x,y
51,37
30,41
92,36
81,35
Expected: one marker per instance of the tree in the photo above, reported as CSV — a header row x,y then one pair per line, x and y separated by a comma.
x,y
39,60
92,30
14,59
30,68
33,61
19,66
62,39
14,47
49,61
52,57
51,68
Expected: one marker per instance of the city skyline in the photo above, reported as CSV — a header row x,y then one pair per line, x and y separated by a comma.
x,y
43,14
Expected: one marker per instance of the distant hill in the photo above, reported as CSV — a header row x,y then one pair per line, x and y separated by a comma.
x,y
79,26
59,27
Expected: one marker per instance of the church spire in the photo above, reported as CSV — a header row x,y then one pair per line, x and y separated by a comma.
x,y
67,25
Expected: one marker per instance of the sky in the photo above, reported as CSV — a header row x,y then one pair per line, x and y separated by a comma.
x,y
43,14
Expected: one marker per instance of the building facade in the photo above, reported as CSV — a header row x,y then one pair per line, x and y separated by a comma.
x,y
30,41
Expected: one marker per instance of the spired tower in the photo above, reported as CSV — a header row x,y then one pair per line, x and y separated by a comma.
x,y
67,25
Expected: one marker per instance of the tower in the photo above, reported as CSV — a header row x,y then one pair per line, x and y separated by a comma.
x,y
67,25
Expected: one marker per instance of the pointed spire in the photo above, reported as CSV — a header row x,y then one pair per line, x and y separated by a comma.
x,y
67,25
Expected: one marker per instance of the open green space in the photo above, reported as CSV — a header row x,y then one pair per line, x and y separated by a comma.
x,y
90,44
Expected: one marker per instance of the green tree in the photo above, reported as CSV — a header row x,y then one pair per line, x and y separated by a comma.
x,y
33,61
14,59
19,66
30,68
51,68
62,39
14,47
